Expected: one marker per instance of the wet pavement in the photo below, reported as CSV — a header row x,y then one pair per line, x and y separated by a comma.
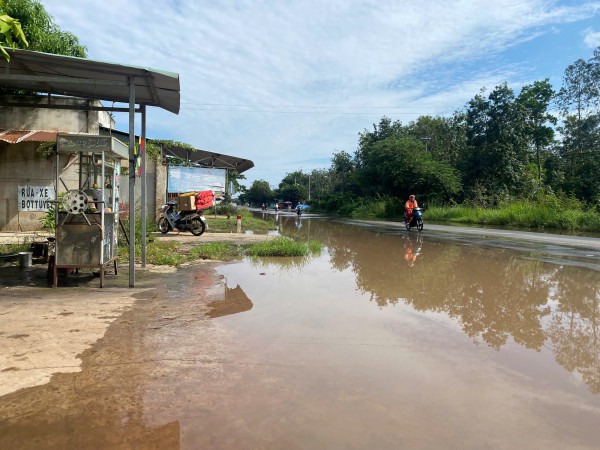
x,y
387,339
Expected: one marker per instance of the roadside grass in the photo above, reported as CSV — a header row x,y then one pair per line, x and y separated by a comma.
x,y
520,214
282,246
229,225
215,250
546,213
175,254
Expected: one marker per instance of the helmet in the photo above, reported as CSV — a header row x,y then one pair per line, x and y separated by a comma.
x,y
411,196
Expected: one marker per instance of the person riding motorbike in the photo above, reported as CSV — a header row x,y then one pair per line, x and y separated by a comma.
x,y
409,206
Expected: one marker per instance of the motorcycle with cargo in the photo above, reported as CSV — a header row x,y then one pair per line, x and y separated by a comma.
x,y
186,213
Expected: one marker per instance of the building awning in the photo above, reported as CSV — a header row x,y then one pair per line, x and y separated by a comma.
x,y
207,158
204,158
87,78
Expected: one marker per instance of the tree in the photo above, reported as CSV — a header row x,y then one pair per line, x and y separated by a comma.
x,y
399,166
260,192
40,30
535,99
443,137
580,89
10,34
497,143
295,193
297,177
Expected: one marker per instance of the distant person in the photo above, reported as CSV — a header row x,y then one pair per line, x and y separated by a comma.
x,y
409,206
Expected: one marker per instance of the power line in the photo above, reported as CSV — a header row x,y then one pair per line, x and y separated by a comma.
x,y
300,112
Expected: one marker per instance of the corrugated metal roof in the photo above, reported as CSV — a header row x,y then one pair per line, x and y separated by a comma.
x,y
16,136
204,158
82,77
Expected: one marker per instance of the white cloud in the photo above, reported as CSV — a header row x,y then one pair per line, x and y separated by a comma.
x,y
309,75
591,38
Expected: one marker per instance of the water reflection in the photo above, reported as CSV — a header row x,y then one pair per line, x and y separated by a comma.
x,y
495,295
235,301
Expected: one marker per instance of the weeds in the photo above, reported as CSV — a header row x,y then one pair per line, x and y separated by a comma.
x,y
521,214
215,250
282,246
174,254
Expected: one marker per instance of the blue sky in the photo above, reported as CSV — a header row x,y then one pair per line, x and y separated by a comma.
x,y
288,83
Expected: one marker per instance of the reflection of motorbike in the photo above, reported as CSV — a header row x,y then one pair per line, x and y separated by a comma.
x,y
416,220
410,253
170,219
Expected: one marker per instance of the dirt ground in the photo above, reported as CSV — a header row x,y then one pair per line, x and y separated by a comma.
x,y
44,331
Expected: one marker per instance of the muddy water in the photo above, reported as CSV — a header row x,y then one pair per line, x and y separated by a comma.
x,y
385,340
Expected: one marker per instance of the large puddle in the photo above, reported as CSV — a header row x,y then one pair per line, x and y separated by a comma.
x,y
385,340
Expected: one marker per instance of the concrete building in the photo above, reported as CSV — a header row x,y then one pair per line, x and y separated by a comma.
x,y
27,175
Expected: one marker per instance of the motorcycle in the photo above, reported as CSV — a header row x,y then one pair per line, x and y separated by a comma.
x,y
416,220
171,219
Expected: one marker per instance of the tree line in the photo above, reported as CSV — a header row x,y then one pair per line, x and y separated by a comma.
x,y
501,146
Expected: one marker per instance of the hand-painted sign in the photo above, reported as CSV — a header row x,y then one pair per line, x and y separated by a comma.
x,y
35,198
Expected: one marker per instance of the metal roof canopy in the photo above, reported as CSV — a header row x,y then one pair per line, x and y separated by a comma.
x,y
209,159
204,158
81,77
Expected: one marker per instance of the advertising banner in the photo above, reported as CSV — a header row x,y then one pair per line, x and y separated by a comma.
x,y
195,179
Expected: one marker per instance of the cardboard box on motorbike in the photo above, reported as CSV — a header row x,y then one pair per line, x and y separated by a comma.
x,y
192,201
187,202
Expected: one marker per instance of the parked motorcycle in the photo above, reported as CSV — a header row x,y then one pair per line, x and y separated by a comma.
x,y
171,219
416,220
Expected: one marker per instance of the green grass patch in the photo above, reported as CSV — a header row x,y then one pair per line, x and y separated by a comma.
x,y
282,246
520,214
215,250
175,254
224,225
163,254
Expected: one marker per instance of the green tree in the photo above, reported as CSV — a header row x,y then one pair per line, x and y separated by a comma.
x,y
443,137
535,99
580,89
579,101
297,177
497,144
295,193
40,30
260,192
10,34
580,151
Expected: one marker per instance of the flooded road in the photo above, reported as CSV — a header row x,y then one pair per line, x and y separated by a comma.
x,y
385,340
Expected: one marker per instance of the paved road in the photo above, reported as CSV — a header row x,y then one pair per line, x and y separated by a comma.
x,y
580,242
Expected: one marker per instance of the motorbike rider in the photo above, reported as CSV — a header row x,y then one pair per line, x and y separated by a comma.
x,y
409,206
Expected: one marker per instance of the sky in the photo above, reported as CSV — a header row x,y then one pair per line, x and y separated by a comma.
x,y
288,83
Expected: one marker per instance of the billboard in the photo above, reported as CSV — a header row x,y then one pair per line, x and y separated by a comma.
x,y
193,179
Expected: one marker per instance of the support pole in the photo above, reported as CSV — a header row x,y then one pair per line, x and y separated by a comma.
x,y
143,145
131,181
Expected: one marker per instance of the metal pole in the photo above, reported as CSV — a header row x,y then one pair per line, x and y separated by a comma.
x,y
143,108
131,181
